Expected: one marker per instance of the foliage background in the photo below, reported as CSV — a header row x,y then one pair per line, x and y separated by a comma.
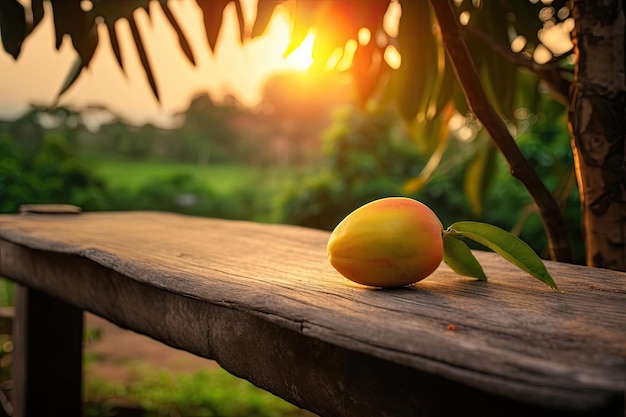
x,y
217,163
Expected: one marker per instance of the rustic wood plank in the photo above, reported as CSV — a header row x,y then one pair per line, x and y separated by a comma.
x,y
49,209
47,361
239,292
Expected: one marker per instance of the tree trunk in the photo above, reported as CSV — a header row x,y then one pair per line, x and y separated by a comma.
x,y
598,126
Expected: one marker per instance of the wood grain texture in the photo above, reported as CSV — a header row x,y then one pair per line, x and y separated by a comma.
x,y
264,302
49,209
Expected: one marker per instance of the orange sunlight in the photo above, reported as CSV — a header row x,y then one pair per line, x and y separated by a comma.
x,y
236,69
302,57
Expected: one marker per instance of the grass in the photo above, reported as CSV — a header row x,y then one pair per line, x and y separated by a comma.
x,y
204,393
212,392
7,293
233,191
132,174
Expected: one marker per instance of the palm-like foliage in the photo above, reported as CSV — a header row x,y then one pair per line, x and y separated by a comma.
x,y
422,84
79,20
476,35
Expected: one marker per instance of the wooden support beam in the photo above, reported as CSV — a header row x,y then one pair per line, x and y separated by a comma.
x,y
7,315
47,367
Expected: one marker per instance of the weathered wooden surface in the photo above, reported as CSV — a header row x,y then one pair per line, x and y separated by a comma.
x,y
49,209
264,302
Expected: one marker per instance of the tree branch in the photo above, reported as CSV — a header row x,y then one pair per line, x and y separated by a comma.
x,y
521,169
549,73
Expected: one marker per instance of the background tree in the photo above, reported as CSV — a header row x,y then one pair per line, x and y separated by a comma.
x,y
597,115
486,45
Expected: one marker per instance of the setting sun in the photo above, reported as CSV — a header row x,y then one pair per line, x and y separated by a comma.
x,y
234,68
302,57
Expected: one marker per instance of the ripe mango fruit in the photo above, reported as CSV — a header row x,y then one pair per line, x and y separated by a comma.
x,y
389,242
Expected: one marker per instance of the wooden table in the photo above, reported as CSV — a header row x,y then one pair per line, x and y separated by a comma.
x,y
263,302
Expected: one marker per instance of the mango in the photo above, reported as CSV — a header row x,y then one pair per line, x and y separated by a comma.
x,y
390,242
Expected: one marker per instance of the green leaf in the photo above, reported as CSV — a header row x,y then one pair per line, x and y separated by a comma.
x,y
182,40
240,20
448,80
479,174
115,45
70,78
38,12
212,14
418,71
510,247
416,183
458,256
12,26
498,76
143,57
324,46
364,77
86,42
66,16
302,20
264,13
70,19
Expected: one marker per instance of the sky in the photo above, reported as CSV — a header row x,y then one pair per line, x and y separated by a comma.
x,y
236,69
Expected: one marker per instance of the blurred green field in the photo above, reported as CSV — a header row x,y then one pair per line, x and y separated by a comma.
x,y
132,174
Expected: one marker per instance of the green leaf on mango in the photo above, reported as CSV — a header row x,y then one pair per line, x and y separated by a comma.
x,y
458,256
507,245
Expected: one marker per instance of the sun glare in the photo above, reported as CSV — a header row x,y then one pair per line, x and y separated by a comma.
x,y
302,57
392,57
